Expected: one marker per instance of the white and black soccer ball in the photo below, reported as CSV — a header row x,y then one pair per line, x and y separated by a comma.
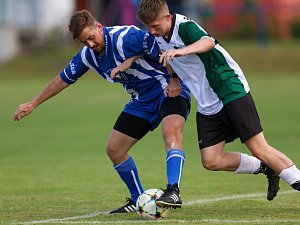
x,y
146,207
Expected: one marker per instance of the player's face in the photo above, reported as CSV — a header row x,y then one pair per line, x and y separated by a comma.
x,y
161,26
93,38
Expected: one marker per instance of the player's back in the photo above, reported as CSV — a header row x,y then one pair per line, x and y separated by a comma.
x,y
146,78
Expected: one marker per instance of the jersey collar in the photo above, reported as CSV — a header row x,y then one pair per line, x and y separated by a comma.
x,y
172,28
105,39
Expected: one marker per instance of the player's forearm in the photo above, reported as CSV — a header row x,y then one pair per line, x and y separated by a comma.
x,y
203,45
128,62
52,89
169,69
134,58
55,86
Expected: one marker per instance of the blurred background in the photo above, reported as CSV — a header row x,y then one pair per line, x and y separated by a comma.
x,y
31,24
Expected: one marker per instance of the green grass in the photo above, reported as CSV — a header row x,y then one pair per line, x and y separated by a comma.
x,y
53,163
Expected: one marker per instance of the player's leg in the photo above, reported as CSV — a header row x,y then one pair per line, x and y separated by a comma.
x,y
246,123
213,131
118,146
267,154
275,159
216,159
174,112
128,129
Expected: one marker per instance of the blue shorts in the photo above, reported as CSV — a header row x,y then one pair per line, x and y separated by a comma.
x,y
138,118
152,112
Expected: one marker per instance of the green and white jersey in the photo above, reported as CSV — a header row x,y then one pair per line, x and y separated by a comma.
x,y
213,77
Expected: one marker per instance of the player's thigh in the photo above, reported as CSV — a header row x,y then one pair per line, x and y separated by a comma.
x,y
127,130
174,105
172,131
132,125
173,123
174,112
244,117
214,129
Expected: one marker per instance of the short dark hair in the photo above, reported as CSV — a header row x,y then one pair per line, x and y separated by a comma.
x,y
149,10
80,20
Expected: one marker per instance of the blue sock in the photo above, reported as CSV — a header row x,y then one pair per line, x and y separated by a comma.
x,y
175,161
129,174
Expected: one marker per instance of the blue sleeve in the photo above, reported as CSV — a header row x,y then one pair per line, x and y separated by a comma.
x,y
74,70
137,42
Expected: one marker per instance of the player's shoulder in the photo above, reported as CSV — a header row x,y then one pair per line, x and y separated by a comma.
x,y
184,24
179,18
83,53
184,21
123,30
126,34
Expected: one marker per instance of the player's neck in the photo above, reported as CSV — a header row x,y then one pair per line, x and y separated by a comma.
x,y
169,25
101,53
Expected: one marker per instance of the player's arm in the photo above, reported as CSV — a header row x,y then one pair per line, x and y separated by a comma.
x,y
174,87
53,88
123,66
136,43
197,41
203,45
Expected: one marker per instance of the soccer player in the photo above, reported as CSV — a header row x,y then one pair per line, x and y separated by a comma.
x,y
149,85
226,110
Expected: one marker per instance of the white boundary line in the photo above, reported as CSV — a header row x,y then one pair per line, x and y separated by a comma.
x,y
233,197
181,221
57,220
66,220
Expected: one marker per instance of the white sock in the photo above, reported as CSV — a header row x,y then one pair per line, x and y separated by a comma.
x,y
290,175
248,164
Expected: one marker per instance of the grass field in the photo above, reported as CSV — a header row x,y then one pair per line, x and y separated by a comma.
x,y
54,169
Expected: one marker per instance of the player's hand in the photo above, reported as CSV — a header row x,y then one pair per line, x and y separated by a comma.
x,y
122,67
23,110
174,88
116,71
169,55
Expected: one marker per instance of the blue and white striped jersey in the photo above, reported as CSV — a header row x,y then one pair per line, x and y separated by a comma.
x,y
144,80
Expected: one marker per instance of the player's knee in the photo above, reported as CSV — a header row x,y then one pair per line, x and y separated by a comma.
x,y
210,164
170,143
173,141
111,151
172,128
172,138
116,153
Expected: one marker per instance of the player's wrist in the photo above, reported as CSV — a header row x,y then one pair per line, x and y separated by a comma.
x,y
173,75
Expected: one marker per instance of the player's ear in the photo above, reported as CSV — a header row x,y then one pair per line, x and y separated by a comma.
x,y
168,16
99,25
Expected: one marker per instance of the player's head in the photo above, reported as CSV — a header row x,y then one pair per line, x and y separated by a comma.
x,y
156,16
87,30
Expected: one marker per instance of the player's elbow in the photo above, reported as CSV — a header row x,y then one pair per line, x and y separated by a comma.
x,y
208,42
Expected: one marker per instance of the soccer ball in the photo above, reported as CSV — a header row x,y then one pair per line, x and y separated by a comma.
x,y
146,207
